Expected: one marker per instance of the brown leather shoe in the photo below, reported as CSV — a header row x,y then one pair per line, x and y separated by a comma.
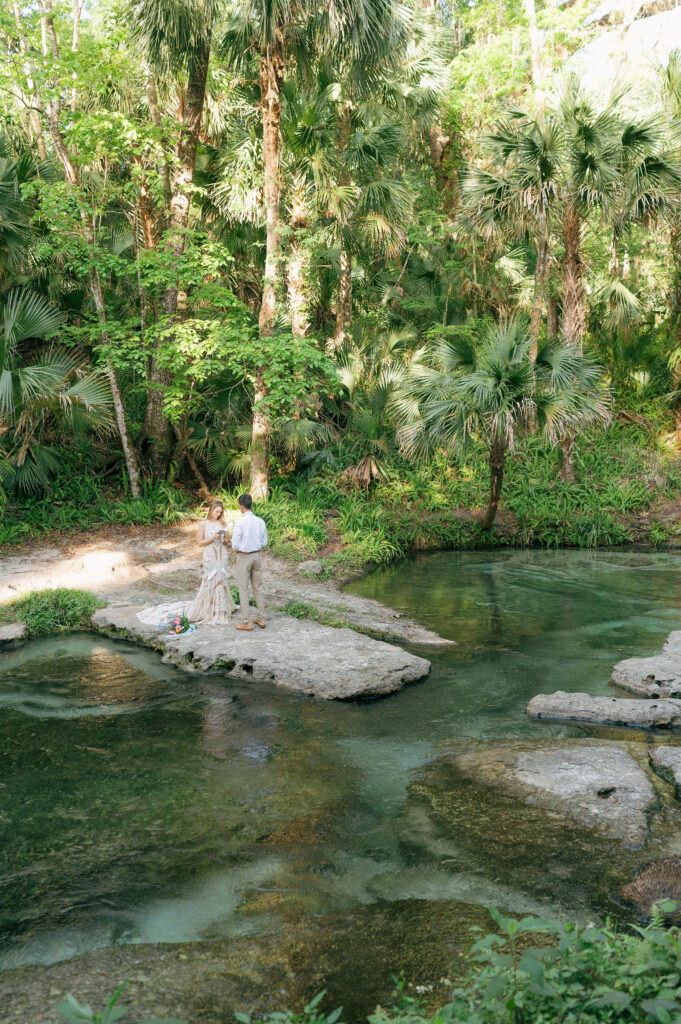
x,y
259,622
245,625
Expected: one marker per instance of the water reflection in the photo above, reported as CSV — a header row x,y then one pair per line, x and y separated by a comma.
x,y
143,804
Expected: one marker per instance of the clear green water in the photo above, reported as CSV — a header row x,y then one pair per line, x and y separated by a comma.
x,y
140,804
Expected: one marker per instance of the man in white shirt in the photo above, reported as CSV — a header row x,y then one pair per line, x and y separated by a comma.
x,y
248,539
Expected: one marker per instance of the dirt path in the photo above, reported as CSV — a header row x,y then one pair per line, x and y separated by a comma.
x,y
146,565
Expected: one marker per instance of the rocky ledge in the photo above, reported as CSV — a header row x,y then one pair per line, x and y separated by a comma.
x,y
12,632
580,707
334,664
601,786
656,676
666,761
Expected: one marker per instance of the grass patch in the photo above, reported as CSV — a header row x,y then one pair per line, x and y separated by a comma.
x,y
52,611
300,610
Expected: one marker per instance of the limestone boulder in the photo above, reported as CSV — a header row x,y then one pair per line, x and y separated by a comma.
x,y
13,631
601,787
666,761
658,676
302,655
581,707
310,568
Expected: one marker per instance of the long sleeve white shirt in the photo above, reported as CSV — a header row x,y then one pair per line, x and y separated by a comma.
x,y
250,534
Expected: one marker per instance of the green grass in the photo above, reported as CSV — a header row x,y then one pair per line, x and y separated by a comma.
x,y
52,611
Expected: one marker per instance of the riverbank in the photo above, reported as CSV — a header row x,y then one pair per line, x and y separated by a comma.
x,y
626,489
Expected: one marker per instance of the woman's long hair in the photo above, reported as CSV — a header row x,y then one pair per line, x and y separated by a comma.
x,y
214,505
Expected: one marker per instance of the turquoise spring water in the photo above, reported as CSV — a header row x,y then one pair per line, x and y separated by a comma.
x,y
140,804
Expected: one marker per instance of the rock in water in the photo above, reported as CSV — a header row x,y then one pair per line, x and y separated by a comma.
x,y
335,664
659,676
666,761
581,707
599,786
13,631
659,881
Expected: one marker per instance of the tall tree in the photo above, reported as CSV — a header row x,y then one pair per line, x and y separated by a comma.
x,y
176,41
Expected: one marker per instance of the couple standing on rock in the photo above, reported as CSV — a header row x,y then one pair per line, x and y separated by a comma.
x,y
213,603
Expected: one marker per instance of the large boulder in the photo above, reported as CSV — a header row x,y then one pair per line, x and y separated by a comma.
x,y
581,707
666,761
658,676
335,664
602,787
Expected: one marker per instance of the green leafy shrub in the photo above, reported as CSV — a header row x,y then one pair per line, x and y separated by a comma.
x,y
52,611
583,975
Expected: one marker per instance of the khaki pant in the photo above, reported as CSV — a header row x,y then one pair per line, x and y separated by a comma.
x,y
248,569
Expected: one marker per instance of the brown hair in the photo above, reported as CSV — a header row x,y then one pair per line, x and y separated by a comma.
x,y
214,505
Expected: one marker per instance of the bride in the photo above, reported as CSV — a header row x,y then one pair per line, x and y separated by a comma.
x,y
213,602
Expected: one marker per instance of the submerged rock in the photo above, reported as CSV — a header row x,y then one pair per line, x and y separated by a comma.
x,y
352,955
335,664
599,786
581,707
13,631
657,882
666,761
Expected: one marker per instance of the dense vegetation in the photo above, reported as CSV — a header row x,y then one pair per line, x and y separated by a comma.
x,y
377,260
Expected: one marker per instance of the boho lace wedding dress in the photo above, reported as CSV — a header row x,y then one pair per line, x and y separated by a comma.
x,y
213,602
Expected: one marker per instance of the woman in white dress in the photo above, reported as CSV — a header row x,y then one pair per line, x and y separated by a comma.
x,y
213,602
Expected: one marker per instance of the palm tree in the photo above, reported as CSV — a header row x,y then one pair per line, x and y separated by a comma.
x,y
53,393
578,157
494,392
282,33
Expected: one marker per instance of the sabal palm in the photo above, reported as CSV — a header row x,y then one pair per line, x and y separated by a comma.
x,y
577,157
54,392
495,391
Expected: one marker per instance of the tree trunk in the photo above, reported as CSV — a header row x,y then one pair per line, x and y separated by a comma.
x,y
567,466
344,304
574,317
535,44
497,463
539,294
71,176
675,321
271,77
551,317
157,427
298,264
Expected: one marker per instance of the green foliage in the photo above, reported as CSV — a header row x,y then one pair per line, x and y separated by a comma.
x,y
74,1012
78,501
582,975
52,611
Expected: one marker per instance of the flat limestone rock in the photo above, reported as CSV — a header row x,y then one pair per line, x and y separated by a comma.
x,y
599,786
672,645
581,707
13,631
335,664
666,761
659,676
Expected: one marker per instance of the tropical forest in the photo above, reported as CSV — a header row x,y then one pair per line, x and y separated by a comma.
x,y
340,511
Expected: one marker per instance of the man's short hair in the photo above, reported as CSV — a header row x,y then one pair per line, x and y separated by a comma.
x,y
246,501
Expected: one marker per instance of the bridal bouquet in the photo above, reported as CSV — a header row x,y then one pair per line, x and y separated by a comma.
x,y
177,624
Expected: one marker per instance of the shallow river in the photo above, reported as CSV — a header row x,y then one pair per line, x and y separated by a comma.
x,y
139,804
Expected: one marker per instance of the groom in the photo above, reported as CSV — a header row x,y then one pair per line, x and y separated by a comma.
x,y
248,539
